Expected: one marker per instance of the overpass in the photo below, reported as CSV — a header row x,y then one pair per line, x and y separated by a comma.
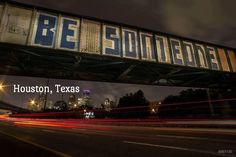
x,y
6,107
38,42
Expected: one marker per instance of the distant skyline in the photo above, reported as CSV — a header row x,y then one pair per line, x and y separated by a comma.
x,y
99,90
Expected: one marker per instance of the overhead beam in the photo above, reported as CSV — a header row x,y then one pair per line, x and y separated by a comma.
x,y
125,73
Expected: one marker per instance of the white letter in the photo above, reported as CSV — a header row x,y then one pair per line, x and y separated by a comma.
x,y
57,87
16,88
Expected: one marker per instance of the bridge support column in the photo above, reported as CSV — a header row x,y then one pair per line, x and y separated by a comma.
x,y
210,103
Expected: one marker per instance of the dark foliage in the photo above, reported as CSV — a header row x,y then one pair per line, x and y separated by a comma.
x,y
195,104
132,106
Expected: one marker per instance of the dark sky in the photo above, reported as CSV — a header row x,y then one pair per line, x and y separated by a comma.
x,y
207,20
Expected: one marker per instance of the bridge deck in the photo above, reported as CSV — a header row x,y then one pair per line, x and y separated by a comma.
x,y
48,63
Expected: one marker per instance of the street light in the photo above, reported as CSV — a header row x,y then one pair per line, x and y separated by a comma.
x,y
32,102
1,91
32,105
1,87
153,111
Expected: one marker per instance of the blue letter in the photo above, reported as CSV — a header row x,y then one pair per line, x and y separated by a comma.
x,y
188,52
176,52
111,40
130,44
46,30
213,58
201,54
147,49
162,47
69,34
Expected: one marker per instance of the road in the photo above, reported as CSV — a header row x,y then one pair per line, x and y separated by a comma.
x,y
68,138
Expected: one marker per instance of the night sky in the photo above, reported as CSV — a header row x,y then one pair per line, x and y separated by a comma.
x,y
206,20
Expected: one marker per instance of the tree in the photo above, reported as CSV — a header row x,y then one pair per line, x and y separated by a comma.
x,y
60,106
132,106
189,103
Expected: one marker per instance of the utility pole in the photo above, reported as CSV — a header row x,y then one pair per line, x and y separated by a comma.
x,y
62,97
210,103
46,96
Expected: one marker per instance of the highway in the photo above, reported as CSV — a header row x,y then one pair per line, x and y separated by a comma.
x,y
73,138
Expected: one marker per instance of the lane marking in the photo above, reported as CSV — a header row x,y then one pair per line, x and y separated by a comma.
x,y
71,132
37,145
177,148
51,131
195,138
208,130
183,137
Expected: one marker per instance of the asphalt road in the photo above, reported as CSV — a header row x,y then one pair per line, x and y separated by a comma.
x,y
37,138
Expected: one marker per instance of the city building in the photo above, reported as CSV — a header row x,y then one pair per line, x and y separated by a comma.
x,y
108,104
86,99
72,102
154,107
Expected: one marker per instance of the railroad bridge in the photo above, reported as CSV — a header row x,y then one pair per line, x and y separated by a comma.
x,y
38,42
